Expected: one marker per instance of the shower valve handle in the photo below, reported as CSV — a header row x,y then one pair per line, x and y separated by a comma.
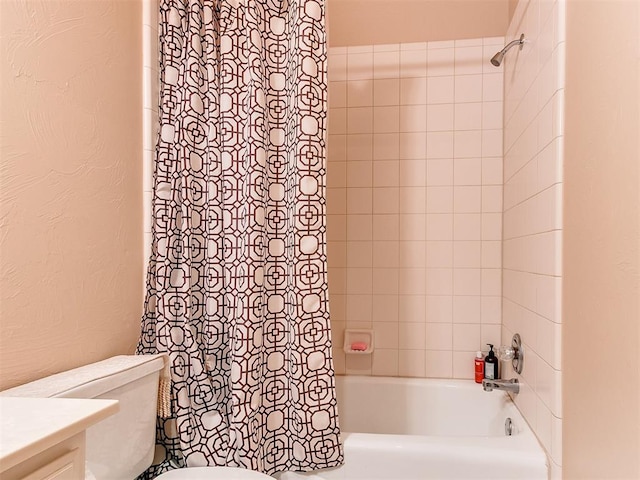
x,y
513,353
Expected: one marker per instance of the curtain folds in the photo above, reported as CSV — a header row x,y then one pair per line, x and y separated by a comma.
x,y
236,287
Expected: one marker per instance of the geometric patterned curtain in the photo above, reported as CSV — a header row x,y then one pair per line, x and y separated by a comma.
x,y
237,282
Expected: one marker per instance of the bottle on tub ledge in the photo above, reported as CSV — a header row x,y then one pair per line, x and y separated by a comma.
x,y
479,366
491,364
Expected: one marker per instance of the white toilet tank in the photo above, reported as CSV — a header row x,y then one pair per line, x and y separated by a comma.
x,y
122,446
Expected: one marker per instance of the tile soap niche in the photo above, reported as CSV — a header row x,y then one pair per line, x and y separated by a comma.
x,y
358,342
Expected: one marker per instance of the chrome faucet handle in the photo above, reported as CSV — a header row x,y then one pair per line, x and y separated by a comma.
x,y
506,352
513,352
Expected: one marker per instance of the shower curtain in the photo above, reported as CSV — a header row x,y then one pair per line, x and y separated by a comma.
x,y
236,287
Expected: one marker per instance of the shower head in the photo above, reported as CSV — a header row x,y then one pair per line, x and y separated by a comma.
x,y
496,60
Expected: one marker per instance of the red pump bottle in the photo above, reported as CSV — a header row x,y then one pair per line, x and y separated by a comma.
x,y
479,366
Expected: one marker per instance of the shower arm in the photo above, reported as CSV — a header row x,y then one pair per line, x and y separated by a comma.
x,y
513,43
497,58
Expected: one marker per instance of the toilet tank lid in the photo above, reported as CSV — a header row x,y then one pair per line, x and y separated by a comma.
x,y
91,380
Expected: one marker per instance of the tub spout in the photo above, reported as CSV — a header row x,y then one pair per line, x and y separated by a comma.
x,y
510,385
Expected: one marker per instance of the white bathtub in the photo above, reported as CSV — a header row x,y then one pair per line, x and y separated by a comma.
x,y
401,429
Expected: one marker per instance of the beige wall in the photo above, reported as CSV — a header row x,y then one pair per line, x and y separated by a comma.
x,y
364,22
512,8
601,252
70,191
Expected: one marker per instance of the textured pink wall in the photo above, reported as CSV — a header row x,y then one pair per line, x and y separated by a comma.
x,y
70,184
366,22
601,301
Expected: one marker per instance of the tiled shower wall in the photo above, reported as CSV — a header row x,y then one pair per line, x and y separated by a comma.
x,y
414,204
534,117
149,114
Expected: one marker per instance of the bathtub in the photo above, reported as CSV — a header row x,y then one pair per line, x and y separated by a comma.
x,y
402,428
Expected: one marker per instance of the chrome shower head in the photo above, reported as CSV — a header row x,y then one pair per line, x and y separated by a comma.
x,y
496,60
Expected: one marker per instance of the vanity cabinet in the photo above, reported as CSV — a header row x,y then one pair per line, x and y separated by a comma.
x,y
44,438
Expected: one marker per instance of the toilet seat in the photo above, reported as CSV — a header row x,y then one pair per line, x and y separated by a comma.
x,y
213,473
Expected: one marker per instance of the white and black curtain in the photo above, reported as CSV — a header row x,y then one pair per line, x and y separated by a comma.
x,y
237,284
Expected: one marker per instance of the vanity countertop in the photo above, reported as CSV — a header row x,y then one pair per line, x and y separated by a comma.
x,y
29,426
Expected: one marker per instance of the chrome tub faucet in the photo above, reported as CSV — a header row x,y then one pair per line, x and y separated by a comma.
x,y
512,385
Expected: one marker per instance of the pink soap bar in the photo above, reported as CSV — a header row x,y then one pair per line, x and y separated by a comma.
x,y
359,346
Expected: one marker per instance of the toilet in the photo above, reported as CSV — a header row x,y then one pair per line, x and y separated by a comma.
x,y
121,447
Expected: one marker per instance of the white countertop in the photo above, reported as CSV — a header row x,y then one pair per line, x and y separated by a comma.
x,y
29,426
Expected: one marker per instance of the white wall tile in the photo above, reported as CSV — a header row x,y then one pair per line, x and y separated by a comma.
x,y
359,66
439,336
359,120
466,337
439,282
467,199
384,362
492,85
413,200
413,118
384,308
413,173
359,174
412,227
413,63
440,172
440,118
466,309
337,94
467,144
467,171
411,281
385,65
468,59
336,146
440,62
468,116
467,254
463,364
386,174
439,364
360,93
386,119
359,147
533,106
412,308
413,145
386,146
439,144
386,92
386,200
467,226
412,336
491,256
439,226
412,179
440,89
337,67
441,44
439,308
413,91
468,88
386,253
439,200
439,254
411,363
467,281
